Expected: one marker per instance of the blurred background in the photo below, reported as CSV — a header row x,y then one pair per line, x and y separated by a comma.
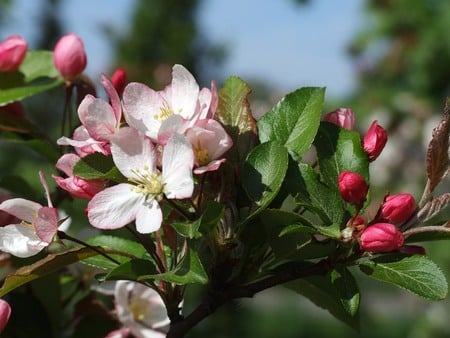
x,y
387,60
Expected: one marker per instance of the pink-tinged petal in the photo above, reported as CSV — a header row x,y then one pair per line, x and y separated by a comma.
x,y
21,208
148,217
99,120
184,92
142,108
114,207
121,333
79,187
67,162
211,166
46,224
46,189
177,163
131,150
173,124
208,101
20,240
83,143
113,97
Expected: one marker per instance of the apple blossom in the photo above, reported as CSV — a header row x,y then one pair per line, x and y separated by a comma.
x,y
38,226
141,311
398,208
100,120
136,158
146,109
69,56
381,237
353,188
76,186
12,52
374,140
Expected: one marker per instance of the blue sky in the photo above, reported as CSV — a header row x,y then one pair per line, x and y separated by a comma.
x,y
277,41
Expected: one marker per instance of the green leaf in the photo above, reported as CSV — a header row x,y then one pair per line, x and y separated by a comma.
x,y
121,249
263,173
327,293
332,231
189,271
321,196
294,120
417,274
50,263
339,150
132,270
35,75
235,114
97,166
347,290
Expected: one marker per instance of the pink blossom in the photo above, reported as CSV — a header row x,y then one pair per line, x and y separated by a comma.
x,y
5,313
381,237
342,117
69,56
353,188
100,121
136,158
374,140
12,52
76,186
146,109
398,208
36,230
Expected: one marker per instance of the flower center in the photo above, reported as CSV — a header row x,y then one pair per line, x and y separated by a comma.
x,y
163,114
139,308
202,155
147,182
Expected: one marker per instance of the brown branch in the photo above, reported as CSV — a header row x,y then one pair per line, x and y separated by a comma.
x,y
217,298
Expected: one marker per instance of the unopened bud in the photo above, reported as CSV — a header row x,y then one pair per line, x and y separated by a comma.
x,y
374,140
69,56
381,237
398,208
342,117
119,80
12,52
5,313
353,188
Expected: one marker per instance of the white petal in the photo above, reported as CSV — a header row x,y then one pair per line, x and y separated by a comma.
x,y
21,208
20,240
184,92
148,217
114,207
177,163
113,97
140,105
131,150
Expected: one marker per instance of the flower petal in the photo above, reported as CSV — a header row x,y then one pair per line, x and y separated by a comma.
x,y
46,224
113,97
185,92
114,207
21,208
148,217
20,240
131,150
177,163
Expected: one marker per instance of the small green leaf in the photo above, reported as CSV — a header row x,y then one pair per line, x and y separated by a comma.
x,y
35,75
50,263
120,249
189,271
132,270
97,166
332,231
263,173
235,114
294,120
417,274
347,290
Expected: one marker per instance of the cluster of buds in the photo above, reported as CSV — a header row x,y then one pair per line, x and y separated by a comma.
x,y
382,234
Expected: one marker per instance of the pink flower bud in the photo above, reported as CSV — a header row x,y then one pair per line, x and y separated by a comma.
x,y
5,313
352,187
398,208
69,56
12,52
119,80
342,117
381,237
374,140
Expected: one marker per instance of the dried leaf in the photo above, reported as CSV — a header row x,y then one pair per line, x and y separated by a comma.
x,y
438,151
435,211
